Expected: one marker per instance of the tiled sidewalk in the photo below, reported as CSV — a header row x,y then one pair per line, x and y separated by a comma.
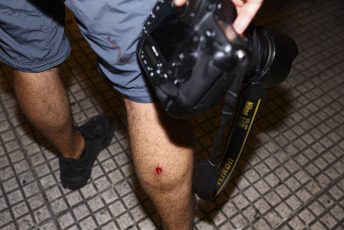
x,y
292,175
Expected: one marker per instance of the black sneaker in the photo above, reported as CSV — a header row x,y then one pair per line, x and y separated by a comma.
x,y
98,133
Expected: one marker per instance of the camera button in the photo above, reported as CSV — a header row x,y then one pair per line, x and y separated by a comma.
x,y
157,8
210,7
210,33
241,54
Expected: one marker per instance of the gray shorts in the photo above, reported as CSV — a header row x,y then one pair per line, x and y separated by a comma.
x,y
32,37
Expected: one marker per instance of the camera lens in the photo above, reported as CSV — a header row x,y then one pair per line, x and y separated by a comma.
x,y
276,54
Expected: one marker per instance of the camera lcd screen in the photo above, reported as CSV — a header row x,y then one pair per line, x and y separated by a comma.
x,y
169,33
147,49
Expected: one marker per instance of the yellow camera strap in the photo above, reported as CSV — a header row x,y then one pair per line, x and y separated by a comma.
x,y
211,178
248,108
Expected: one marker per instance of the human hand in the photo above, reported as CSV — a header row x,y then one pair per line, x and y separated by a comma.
x,y
246,10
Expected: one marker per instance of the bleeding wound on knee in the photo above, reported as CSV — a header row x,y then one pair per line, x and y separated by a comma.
x,y
158,170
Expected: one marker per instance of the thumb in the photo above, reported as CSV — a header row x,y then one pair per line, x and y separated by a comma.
x,y
245,15
179,3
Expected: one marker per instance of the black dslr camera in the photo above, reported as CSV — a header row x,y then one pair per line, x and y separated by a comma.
x,y
192,55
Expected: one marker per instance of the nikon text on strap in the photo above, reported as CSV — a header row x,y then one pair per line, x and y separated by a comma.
x,y
211,178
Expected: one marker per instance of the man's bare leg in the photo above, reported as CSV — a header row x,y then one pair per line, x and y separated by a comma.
x,y
44,101
163,157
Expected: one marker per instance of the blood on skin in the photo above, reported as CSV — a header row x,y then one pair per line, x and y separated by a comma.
x,y
158,170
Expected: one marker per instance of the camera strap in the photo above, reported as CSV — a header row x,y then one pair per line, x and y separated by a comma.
x,y
211,178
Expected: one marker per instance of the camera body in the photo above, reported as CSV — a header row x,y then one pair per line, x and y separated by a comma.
x,y
192,55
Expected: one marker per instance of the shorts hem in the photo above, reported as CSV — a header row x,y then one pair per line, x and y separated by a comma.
x,y
142,96
36,67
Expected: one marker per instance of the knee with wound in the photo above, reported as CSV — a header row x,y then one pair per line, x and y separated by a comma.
x,y
167,176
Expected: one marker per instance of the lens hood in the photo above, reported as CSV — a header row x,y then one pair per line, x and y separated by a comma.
x,y
277,52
